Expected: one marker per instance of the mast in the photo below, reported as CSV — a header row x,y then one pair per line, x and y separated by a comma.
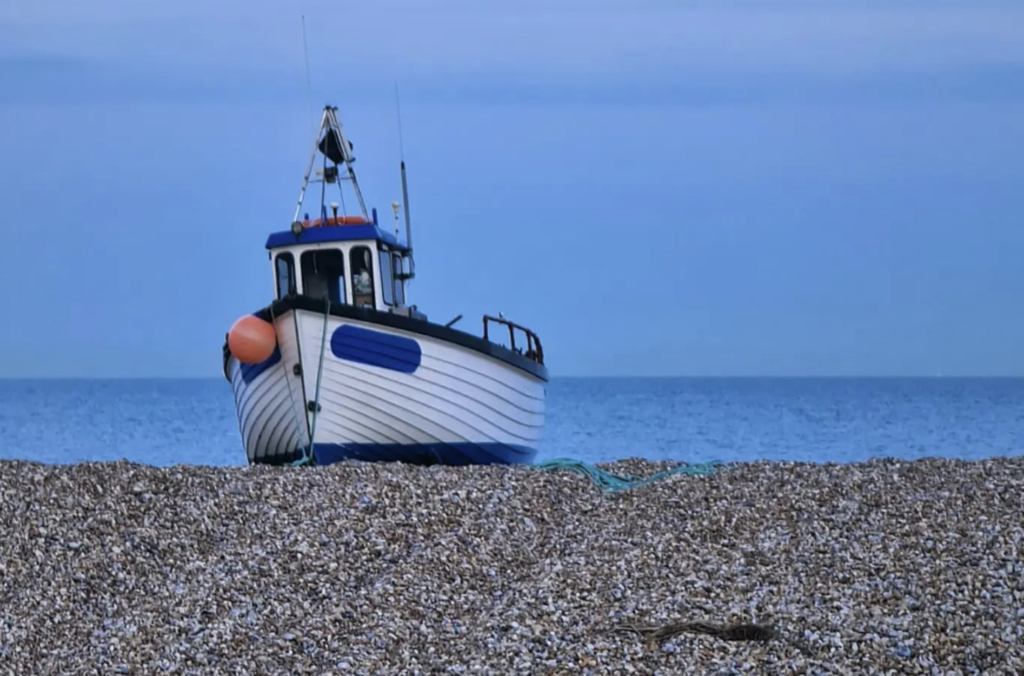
x,y
405,191
408,227
333,145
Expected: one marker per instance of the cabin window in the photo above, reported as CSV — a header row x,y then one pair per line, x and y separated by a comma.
x,y
323,274
396,269
387,280
285,268
362,276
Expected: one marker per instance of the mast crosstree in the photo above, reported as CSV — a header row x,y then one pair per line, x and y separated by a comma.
x,y
332,144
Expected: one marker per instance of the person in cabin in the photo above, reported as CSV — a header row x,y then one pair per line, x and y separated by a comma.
x,y
362,282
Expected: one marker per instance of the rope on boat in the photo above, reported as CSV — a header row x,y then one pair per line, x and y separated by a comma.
x,y
299,426
307,453
610,482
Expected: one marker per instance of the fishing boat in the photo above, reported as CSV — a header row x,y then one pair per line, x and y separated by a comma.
x,y
340,366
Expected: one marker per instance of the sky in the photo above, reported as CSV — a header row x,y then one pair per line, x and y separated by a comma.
x,y
657,188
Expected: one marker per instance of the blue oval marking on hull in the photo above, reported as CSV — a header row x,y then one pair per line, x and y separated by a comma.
x,y
376,348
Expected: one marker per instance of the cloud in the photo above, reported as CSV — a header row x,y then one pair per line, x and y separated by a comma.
x,y
600,53
975,84
34,79
417,40
54,79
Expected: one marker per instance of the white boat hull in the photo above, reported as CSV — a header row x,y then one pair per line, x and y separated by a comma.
x,y
384,394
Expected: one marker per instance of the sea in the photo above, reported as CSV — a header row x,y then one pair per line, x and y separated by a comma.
x,y
165,422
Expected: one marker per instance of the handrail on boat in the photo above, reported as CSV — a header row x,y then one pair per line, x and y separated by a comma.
x,y
534,350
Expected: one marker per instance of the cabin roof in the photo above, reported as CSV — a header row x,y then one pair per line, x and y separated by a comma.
x,y
337,233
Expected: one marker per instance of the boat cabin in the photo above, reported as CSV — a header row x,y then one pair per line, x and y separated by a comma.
x,y
346,259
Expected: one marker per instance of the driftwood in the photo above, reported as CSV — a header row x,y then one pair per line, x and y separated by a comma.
x,y
731,632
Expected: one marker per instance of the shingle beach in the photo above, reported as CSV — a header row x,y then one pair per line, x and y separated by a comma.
x,y
880,568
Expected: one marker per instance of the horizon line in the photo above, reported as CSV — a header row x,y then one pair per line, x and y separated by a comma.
x,y
836,376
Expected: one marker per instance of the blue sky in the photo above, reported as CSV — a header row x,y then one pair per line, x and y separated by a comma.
x,y
658,188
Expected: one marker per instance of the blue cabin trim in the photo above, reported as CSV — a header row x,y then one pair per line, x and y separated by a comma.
x,y
334,233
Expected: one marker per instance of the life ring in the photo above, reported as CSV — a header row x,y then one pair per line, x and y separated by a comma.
x,y
335,220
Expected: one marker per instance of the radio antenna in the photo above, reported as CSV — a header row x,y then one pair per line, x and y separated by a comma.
x,y
309,82
398,110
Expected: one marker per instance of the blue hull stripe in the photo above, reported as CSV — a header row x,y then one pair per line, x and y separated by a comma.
x,y
462,453
251,371
376,348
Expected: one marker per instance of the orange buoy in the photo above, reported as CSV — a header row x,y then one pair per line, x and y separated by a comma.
x,y
252,340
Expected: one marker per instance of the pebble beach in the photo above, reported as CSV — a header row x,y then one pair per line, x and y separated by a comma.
x,y
885,567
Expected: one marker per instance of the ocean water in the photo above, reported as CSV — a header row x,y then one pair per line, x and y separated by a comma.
x,y
166,422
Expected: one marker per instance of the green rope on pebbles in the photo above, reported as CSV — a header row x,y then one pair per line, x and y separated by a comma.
x,y
611,483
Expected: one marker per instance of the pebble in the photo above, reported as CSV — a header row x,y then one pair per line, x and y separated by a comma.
x,y
877,568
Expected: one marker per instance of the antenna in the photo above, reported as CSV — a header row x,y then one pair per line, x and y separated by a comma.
x,y
309,82
398,110
408,227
